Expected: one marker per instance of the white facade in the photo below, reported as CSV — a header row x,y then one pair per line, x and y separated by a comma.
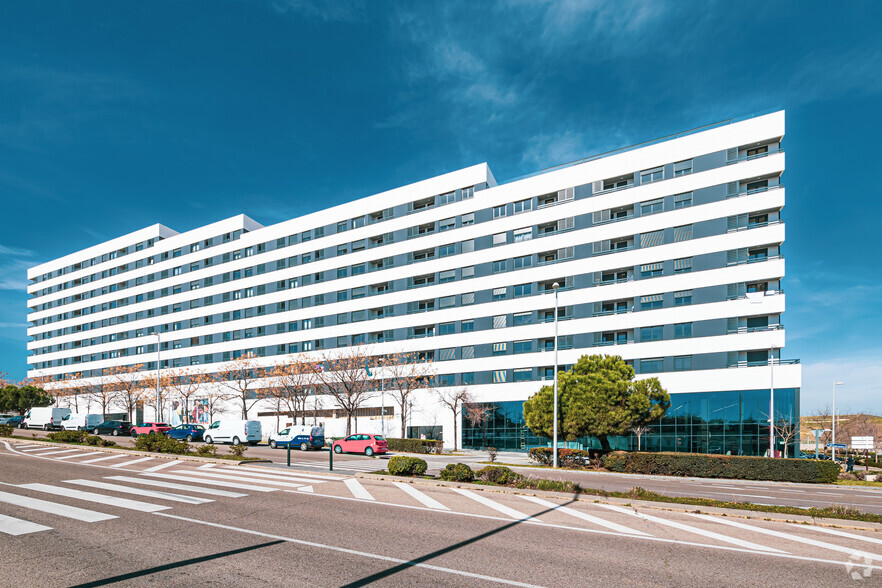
x,y
160,281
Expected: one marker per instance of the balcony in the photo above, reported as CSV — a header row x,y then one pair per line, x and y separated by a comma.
x,y
745,157
775,361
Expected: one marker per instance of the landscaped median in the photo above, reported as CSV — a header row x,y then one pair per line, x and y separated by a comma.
x,y
503,477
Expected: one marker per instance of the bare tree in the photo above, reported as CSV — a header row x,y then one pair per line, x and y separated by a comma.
x,y
343,375
240,377
71,388
292,382
102,391
785,431
477,414
185,385
404,373
640,430
455,399
127,387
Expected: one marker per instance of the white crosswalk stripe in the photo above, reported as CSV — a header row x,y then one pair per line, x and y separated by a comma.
x,y
843,534
690,529
40,448
128,463
584,516
99,498
211,475
251,475
162,466
14,526
105,458
86,454
278,472
198,480
357,489
63,510
421,497
506,510
58,452
139,491
174,486
31,445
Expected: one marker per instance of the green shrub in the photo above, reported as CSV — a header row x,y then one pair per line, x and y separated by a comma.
x,y
67,436
107,443
207,450
500,475
458,472
6,430
93,440
238,450
415,445
723,466
402,465
568,458
549,485
161,444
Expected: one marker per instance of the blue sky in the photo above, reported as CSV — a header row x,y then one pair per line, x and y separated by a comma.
x,y
117,115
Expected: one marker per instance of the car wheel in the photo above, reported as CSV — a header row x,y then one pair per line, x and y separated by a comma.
x,y
338,449
272,444
134,434
207,439
46,427
368,451
189,438
95,431
115,433
236,441
303,447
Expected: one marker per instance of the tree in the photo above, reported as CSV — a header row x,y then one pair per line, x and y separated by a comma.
x,y
639,430
185,385
598,397
127,387
72,387
477,414
292,381
103,392
240,377
455,400
404,373
343,375
22,399
785,431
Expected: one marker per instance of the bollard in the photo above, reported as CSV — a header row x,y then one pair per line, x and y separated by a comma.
x,y
289,454
331,461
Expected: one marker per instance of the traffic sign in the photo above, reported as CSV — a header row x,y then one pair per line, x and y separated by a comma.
x,y
862,442
836,445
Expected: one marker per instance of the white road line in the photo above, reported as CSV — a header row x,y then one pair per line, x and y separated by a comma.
x,y
99,498
584,516
128,463
60,452
754,496
217,476
198,480
791,537
843,534
32,446
508,511
797,491
62,510
278,472
357,489
162,466
421,497
830,493
690,529
358,553
305,489
40,448
86,454
251,475
14,526
206,466
114,456
173,486
140,491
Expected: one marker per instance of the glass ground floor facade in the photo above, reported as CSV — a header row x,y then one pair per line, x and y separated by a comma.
x,y
733,423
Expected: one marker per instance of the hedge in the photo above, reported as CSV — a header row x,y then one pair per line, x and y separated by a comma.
x,y
161,444
458,472
568,458
403,465
415,445
723,466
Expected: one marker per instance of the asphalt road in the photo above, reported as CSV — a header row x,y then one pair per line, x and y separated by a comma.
x,y
86,517
866,499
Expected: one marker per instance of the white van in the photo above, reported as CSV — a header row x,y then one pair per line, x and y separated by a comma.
x,y
80,421
233,431
45,417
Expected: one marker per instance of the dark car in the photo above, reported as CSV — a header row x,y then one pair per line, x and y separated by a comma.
x,y
114,428
16,421
187,431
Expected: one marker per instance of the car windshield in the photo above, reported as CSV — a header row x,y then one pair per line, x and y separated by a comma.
x,y
318,432
379,437
198,427
124,422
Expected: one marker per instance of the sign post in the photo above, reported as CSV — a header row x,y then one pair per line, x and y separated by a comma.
x,y
865,443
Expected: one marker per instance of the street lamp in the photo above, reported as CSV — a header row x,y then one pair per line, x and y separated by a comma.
x,y
555,287
772,401
158,368
676,437
834,416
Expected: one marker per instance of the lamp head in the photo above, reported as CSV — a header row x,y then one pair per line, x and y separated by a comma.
x,y
839,383
555,286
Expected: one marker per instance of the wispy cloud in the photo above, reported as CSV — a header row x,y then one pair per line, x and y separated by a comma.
x,y
14,263
326,10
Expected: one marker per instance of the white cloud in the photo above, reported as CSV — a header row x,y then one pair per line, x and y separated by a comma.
x,y
326,10
14,263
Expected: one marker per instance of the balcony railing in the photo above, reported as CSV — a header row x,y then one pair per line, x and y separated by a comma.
x,y
752,157
615,220
747,192
612,343
775,361
742,330
755,226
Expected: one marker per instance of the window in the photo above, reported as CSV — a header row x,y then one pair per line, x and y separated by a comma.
x,y
499,211
446,276
499,239
523,206
523,318
523,290
468,326
756,151
651,175
342,295
357,270
468,272
468,298
522,262
445,250
652,239
651,302
523,346
757,186
683,265
651,270
499,376
651,333
499,321
683,168
683,298
468,246
342,272
448,198
683,363
447,354
342,226
176,271
468,219
468,352
757,254
652,206
446,301
682,330
499,266
682,233
446,224
523,375
446,328
499,348
648,366
468,378
524,234
447,380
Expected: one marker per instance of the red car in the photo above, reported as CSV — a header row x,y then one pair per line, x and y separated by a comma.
x,y
147,428
367,444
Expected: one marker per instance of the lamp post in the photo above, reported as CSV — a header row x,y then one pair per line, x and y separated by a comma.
x,y
158,368
772,401
676,438
555,287
834,416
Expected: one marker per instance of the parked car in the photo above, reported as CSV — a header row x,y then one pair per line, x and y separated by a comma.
x,y
4,418
78,421
45,417
303,436
147,428
188,431
16,421
233,431
367,444
114,428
